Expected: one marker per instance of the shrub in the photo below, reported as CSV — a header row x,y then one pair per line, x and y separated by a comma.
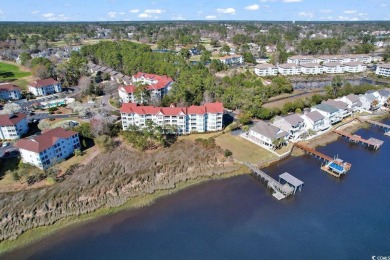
x,y
53,109
228,153
105,142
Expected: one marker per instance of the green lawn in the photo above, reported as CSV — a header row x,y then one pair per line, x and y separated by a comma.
x,y
9,72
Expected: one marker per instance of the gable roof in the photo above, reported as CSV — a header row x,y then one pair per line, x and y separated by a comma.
x,y
314,116
7,120
336,104
162,81
353,98
293,119
41,142
128,88
326,108
43,83
8,87
268,130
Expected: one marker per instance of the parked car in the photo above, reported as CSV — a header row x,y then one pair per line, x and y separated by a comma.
x,y
5,144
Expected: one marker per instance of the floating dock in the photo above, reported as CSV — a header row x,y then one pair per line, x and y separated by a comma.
x,y
280,191
334,166
372,142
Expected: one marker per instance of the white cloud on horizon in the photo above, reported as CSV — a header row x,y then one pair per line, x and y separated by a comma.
x,y
306,14
252,7
35,12
292,1
133,11
211,17
229,10
111,14
143,15
350,11
153,11
47,15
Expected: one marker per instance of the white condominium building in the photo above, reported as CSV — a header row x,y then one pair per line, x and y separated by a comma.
x,y
266,70
183,120
383,70
44,87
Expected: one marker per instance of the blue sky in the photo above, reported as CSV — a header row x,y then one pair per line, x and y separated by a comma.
x,y
144,10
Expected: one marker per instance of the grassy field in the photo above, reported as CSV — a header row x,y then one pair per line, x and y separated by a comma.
x,y
12,72
133,203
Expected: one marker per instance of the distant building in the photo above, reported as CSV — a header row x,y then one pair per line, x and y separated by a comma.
x,y
185,120
157,85
354,67
9,91
232,59
13,126
383,70
267,134
311,68
49,148
301,59
44,87
266,70
333,68
289,69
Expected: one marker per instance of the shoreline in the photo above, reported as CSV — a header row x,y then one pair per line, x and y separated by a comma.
x,y
34,235
39,233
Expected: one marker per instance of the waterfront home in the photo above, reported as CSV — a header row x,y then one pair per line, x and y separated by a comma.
x,y
369,101
13,126
293,124
157,85
234,59
9,91
301,59
267,135
383,70
384,95
311,68
333,68
331,113
48,148
344,110
185,120
354,67
266,70
289,69
44,87
353,102
315,121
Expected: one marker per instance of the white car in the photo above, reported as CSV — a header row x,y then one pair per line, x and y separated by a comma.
x,y
5,144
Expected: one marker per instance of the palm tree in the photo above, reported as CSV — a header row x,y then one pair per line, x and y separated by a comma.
x,y
337,83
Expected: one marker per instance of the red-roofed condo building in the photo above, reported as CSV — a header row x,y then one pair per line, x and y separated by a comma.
x,y
9,91
186,119
156,85
13,126
49,148
44,87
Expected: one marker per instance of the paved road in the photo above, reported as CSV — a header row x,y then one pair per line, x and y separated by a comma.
x,y
8,148
106,103
40,116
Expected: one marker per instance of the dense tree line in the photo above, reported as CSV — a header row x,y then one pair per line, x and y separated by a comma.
x,y
320,46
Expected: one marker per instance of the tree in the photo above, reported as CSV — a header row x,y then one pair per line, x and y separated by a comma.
x,y
228,153
248,57
206,56
43,124
386,54
84,82
105,142
225,49
11,108
336,85
278,142
24,58
185,53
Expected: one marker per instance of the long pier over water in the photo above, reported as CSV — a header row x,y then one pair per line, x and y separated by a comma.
x,y
371,142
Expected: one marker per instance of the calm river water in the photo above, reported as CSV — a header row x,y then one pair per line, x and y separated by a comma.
x,y
238,218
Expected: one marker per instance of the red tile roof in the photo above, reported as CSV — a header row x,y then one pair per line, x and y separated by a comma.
x,y
43,83
132,108
8,87
7,120
41,142
162,81
128,89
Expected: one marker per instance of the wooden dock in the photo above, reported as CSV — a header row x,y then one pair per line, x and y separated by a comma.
x,y
330,162
375,123
279,191
372,142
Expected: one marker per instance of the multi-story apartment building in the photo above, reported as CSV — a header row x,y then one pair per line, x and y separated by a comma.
x,y
183,120
13,126
354,67
333,68
311,68
266,70
301,59
157,85
9,91
383,70
234,59
289,69
48,148
44,87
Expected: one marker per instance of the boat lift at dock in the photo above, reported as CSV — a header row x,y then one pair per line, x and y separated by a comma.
x,y
280,191
334,166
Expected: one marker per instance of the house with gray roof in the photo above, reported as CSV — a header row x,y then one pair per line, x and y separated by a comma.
x,y
266,134
292,124
315,121
342,106
353,102
368,102
331,113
